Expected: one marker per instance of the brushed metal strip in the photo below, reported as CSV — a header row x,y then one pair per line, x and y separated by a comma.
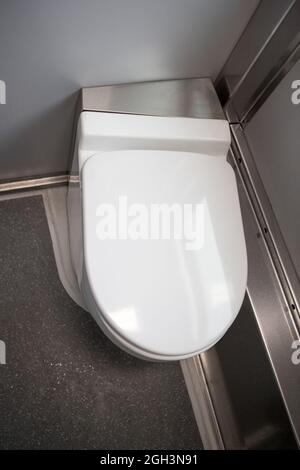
x,y
269,291
273,61
212,405
262,93
270,83
261,50
192,97
262,25
223,405
34,183
266,219
202,403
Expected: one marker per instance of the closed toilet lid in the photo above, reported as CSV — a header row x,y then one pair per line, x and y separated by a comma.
x,y
164,249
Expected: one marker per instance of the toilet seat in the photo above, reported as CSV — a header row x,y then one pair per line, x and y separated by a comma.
x,y
155,295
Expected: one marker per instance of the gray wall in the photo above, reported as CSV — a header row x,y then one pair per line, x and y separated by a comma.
x,y
274,138
51,48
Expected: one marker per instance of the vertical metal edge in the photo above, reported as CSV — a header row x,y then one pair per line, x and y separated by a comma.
x,y
266,220
212,405
273,60
269,84
202,404
268,291
250,44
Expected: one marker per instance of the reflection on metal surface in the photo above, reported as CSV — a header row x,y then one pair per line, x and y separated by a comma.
x,y
188,98
274,58
203,406
33,183
255,37
260,418
224,406
270,83
270,301
264,214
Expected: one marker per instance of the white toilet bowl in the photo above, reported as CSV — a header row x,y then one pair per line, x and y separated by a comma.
x,y
161,291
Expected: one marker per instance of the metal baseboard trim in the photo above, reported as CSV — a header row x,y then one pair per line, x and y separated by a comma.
x,y
34,183
211,402
202,404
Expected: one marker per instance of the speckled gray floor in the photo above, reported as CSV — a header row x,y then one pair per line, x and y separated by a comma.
x,y
65,385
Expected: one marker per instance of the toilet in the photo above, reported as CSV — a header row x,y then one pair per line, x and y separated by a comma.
x,y
156,234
